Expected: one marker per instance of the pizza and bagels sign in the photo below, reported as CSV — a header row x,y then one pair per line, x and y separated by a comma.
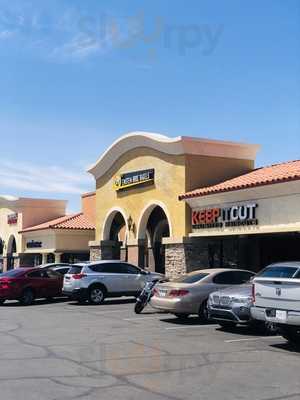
x,y
221,217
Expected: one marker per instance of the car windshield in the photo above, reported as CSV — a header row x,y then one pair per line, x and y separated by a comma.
x,y
191,278
75,269
278,272
11,274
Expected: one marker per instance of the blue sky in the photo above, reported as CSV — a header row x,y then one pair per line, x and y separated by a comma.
x,y
75,75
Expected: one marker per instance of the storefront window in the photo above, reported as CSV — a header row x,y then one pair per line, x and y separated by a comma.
x,y
50,258
223,253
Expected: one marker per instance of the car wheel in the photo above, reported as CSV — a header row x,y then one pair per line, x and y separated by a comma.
x,y
203,312
227,324
261,327
291,334
96,295
182,317
27,297
271,328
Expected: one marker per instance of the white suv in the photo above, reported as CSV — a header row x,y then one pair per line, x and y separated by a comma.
x,y
93,281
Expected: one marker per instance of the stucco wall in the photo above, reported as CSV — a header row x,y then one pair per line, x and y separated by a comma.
x,y
278,208
38,212
88,206
7,230
204,171
59,240
30,212
174,175
169,182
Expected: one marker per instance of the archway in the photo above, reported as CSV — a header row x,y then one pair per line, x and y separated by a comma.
x,y
153,227
11,249
115,231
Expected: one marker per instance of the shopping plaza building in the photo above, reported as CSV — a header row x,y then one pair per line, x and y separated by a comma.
x,y
170,205
178,204
36,231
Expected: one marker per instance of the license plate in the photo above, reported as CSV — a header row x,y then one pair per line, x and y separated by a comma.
x,y
281,315
276,315
162,293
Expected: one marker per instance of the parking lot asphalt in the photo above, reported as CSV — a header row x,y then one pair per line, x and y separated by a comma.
x,y
62,350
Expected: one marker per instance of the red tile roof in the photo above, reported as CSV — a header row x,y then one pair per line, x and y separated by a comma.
x,y
74,221
277,173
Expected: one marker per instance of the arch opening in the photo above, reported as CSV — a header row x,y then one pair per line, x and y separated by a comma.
x,y
154,226
11,249
115,231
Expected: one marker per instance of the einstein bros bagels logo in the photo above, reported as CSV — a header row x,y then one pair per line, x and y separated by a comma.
x,y
237,215
132,179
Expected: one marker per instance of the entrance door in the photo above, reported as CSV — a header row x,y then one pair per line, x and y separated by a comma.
x,y
156,229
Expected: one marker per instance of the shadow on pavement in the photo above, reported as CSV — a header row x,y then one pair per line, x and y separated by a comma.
x,y
287,347
248,331
37,302
188,321
106,302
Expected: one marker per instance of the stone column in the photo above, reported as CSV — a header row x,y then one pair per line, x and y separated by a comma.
x,y
185,255
44,258
4,264
57,257
175,262
16,262
95,252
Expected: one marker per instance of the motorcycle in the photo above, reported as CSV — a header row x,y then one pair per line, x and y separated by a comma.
x,y
145,295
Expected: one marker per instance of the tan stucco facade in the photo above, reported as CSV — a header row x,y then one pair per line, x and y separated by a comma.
x,y
248,228
57,242
180,164
169,182
277,209
173,175
26,212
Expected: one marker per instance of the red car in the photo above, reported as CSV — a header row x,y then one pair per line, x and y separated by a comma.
x,y
27,284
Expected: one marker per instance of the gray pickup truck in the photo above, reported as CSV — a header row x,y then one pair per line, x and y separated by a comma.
x,y
276,292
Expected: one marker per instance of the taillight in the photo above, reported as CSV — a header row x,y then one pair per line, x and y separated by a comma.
x,y
6,284
79,276
154,291
178,293
253,292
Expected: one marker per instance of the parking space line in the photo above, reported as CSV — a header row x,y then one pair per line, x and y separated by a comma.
x,y
140,318
253,339
173,328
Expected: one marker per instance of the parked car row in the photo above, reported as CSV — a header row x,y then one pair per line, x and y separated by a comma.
x,y
268,300
87,281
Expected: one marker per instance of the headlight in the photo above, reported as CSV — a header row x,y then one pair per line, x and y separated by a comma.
x,y
243,300
214,299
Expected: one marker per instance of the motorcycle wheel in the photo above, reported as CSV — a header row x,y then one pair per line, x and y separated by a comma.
x,y
138,308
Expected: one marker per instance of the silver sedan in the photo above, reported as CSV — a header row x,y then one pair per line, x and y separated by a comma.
x,y
189,293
